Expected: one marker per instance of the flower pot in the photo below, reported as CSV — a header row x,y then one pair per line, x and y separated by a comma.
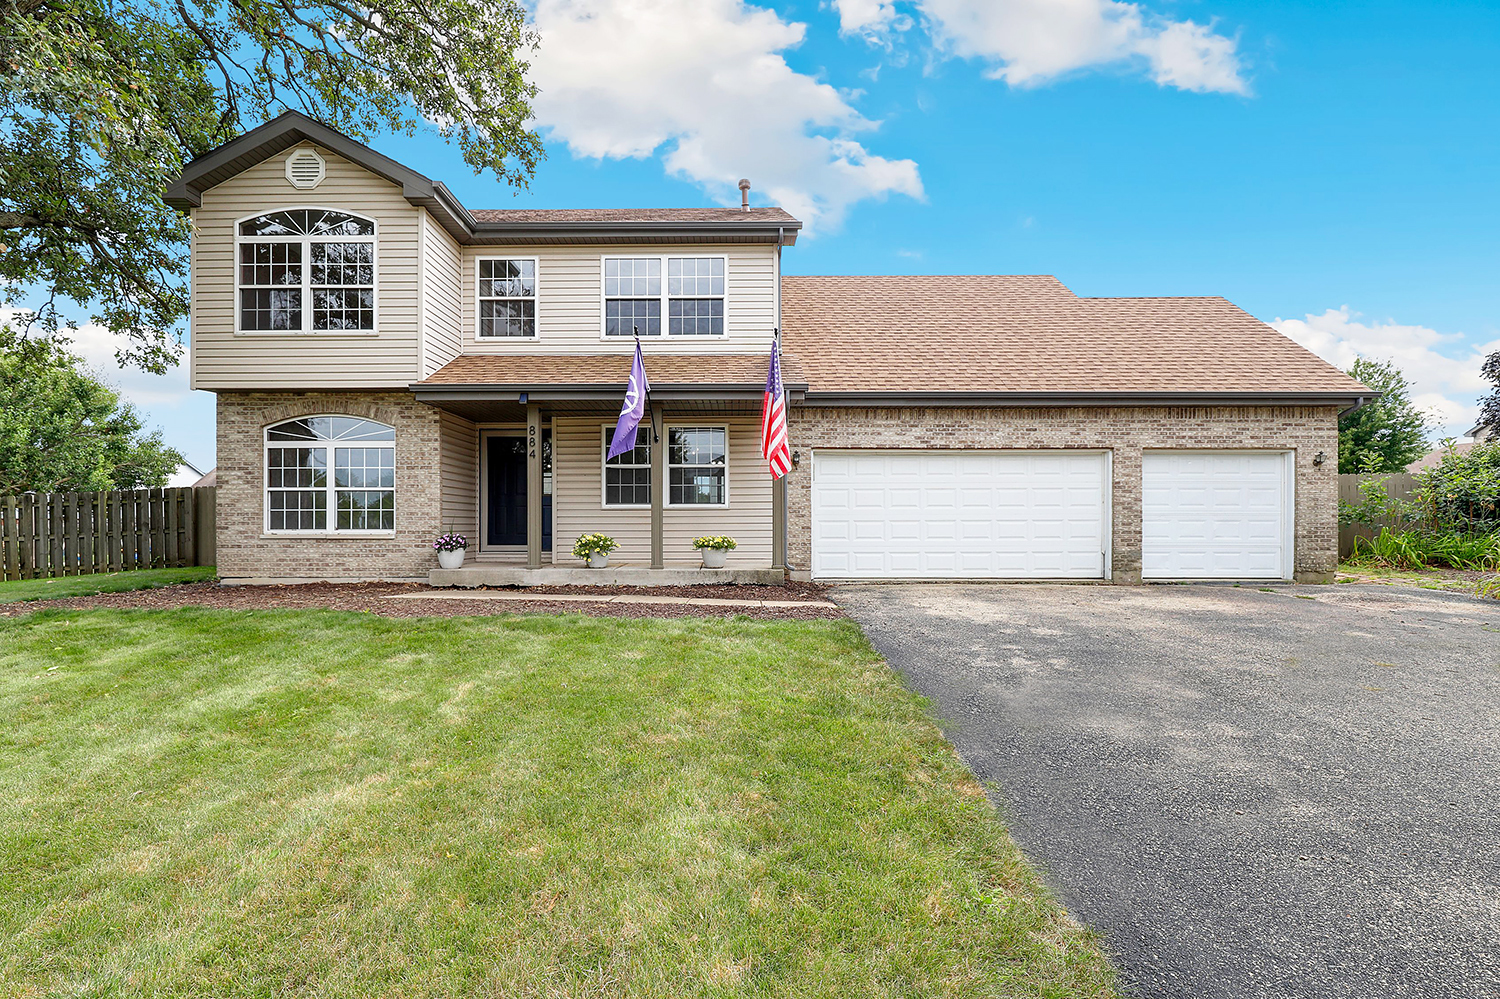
x,y
713,558
599,560
451,560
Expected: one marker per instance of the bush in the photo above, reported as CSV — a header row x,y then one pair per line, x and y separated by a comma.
x,y
1462,491
719,541
1415,549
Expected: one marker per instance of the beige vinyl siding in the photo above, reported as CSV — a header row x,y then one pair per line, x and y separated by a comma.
x,y
223,359
570,286
459,470
442,296
577,501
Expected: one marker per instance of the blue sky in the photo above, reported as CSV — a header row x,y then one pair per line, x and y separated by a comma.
x,y
1331,166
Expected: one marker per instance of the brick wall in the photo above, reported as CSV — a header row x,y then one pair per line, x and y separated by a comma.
x,y
245,552
1125,431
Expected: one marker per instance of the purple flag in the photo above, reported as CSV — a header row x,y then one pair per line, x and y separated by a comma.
x,y
635,406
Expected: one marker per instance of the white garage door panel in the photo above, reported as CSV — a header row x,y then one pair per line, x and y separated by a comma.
x,y
934,514
1214,516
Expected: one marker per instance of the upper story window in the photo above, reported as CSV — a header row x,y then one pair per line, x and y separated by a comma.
x,y
636,297
330,473
507,297
307,270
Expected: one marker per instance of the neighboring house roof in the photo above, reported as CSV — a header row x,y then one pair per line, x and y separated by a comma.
x,y
1436,455
514,226
1024,337
607,372
1480,432
210,478
185,474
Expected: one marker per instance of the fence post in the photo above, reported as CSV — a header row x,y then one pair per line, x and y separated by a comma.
x,y
12,533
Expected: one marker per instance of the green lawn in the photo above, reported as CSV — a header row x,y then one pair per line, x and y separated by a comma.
x,y
295,803
12,590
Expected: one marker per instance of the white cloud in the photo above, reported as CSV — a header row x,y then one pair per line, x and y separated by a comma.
x,y
704,82
1443,368
1029,42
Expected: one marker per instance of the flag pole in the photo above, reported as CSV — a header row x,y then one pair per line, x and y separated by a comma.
x,y
655,434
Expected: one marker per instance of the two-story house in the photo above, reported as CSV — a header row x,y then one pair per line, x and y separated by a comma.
x,y
390,365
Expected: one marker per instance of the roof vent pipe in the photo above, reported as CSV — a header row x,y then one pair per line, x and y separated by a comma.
x,y
744,194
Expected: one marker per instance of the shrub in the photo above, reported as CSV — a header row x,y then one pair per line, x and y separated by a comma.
x,y
1462,490
1412,549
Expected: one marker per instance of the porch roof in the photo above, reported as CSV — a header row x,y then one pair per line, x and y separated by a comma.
x,y
577,378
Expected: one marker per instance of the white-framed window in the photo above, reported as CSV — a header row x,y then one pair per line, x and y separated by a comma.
x,y
676,296
306,270
507,297
627,476
697,466
330,474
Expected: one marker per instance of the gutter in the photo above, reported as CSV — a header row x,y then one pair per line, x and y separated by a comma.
x,y
822,398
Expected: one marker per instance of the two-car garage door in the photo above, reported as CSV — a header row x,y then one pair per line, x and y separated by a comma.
x,y
959,514
947,514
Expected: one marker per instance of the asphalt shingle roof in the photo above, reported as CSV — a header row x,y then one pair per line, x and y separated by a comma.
x,y
1029,333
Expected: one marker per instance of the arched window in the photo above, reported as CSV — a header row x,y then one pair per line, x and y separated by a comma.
x,y
361,489
306,270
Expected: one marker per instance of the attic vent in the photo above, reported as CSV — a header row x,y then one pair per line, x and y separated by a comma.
x,y
304,168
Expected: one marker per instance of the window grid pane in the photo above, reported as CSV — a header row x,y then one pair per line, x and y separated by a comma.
x,y
632,296
342,276
271,286
298,510
627,477
695,290
507,298
366,510
696,461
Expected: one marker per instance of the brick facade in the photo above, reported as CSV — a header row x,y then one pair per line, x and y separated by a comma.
x,y
246,553
1124,431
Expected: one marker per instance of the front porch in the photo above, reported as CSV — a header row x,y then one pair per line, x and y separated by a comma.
x,y
501,574
524,471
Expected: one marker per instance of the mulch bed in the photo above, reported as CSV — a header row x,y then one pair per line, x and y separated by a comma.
x,y
371,597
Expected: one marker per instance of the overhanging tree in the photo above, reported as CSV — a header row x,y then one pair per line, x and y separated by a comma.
x,y
101,103
1387,434
1489,406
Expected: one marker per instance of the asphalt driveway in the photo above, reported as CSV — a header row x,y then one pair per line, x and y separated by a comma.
x,y
1248,793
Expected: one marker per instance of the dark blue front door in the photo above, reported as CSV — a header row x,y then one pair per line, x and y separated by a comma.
x,y
505,490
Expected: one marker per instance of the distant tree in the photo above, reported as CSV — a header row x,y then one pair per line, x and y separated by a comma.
x,y
1389,433
1489,406
63,429
102,101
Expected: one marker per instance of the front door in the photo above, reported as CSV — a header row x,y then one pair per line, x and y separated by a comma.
x,y
505,491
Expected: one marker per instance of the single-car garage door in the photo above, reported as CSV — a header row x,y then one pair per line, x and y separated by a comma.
x,y
959,514
1216,515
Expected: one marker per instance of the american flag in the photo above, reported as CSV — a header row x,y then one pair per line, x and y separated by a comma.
x,y
773,445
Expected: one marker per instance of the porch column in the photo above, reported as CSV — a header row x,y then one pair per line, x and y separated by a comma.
x,y
533,486
778,523
658,486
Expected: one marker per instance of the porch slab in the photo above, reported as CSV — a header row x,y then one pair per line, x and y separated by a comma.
x,y
625,575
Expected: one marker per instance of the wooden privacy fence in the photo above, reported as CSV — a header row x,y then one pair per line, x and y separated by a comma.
x,y
1398,485
74,534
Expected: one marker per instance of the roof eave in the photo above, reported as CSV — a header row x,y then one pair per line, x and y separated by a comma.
x,y
1080,398
576,391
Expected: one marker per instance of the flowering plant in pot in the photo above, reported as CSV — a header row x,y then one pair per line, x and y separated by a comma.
x,y
715,548
595,549
450,548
